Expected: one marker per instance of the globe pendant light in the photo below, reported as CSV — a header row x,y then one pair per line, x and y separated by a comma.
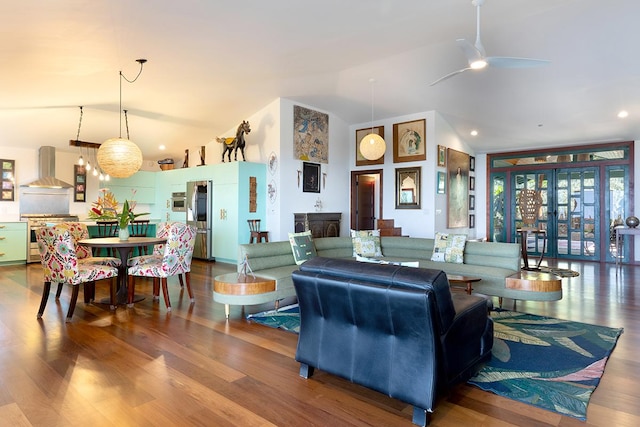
x,y
119,157
372,145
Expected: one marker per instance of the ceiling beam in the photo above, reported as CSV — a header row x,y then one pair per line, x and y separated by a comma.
x,y
77,143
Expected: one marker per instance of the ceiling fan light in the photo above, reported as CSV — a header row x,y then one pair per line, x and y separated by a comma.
x,y
372,146
478,65
119,157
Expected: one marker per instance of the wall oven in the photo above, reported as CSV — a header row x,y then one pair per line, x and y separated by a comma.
x,y
179,201
36,222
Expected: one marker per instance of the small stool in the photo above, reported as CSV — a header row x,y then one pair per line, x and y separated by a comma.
x,y
254,228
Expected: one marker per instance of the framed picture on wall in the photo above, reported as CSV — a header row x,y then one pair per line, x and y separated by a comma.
x,y
472,164
408,188
79,183
472,202
442,155
361,133
472,221
457,189
409,141
7,180
441,183
472,183
310,177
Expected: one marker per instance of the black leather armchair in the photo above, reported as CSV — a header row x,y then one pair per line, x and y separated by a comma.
x,y
397,330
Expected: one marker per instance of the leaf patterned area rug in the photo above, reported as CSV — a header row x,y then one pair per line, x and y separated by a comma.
x,y
287,318
549,363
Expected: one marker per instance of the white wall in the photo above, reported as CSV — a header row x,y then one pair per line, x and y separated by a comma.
x,y
432,216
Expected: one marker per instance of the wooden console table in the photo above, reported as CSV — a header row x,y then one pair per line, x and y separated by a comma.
x,y
321,224
620,232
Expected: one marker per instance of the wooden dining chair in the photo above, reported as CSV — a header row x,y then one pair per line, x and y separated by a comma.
x,y
257,235
176,258
106,228
60,265
139,228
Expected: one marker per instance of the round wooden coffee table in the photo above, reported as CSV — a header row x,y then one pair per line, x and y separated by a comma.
x,y
241,284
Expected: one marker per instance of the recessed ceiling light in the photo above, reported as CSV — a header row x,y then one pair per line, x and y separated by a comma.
x,y
162,147
474,133
622,114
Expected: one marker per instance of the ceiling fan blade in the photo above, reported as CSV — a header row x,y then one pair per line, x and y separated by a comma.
x,y
470,51
510,62
455,73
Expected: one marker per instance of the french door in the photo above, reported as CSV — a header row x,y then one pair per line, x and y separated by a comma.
x,y
569,211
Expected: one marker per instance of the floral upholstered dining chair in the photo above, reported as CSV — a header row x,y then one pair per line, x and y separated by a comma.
x,y
162,231
84,254
176,258
60,265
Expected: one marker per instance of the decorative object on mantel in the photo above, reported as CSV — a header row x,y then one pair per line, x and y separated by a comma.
x,y
203,156
232,144
185,164
632,222
166,164
119,157
372,146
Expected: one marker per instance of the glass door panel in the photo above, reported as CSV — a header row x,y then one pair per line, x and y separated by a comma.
x,y
616,204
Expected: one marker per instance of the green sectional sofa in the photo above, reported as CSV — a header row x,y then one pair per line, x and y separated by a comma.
x,y
492,262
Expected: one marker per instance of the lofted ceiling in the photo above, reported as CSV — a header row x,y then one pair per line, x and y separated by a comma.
x,y
212,64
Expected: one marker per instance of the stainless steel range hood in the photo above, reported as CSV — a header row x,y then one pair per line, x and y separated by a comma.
x,y
47,171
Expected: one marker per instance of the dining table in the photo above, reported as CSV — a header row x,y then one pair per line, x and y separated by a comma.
x,y
124,248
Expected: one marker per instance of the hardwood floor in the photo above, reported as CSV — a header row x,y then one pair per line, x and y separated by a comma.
x,y
146,367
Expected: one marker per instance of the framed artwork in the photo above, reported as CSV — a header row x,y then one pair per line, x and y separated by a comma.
x,y
441,183
472,202
310,177
7,180
409,141
472,221
79,183
310,135
442,155
472,163
361,133
458,189
472,183
272,191
408,188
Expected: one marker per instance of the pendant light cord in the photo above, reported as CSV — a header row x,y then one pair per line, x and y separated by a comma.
x,y
122,76
372,81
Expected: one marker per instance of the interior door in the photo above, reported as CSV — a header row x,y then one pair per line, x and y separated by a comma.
x,y
366,215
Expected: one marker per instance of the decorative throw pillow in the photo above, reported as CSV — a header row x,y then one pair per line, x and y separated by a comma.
x,y
449,248
302,246
366,243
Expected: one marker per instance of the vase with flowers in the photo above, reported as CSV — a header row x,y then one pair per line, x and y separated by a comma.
x,y
124,218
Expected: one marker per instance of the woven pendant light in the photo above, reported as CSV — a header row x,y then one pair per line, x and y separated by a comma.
x,y
119,157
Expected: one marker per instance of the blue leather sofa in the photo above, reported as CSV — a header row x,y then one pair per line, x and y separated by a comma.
x,y
397,330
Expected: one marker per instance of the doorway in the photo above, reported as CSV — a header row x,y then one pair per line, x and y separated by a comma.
x,y
366,199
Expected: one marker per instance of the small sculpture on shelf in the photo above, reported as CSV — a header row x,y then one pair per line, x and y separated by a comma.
x,y
233,144
632,222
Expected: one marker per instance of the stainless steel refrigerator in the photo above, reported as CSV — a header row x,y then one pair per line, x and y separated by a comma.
x,y
199,203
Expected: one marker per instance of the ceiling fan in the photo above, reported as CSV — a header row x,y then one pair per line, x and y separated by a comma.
x,y
477,58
